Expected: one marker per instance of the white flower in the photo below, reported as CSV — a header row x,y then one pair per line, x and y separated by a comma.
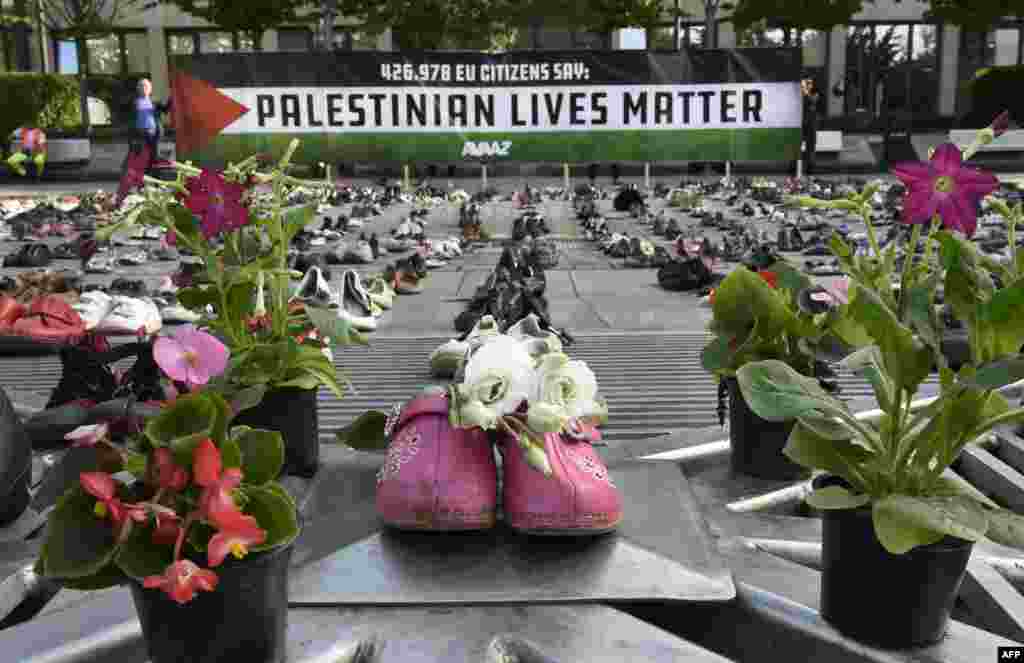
x,y
569,385
500,375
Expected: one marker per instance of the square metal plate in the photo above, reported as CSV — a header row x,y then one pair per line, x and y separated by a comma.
x,y
661,553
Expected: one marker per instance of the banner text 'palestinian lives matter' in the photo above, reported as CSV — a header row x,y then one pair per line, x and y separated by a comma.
x,y
623,106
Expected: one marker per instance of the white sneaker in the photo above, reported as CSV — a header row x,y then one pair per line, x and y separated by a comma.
x,y
355,304
528,330
129,315
92,307
360,253
314,290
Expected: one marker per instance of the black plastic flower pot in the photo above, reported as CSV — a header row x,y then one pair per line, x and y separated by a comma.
x,y
920,586
756,444
244,619
293,413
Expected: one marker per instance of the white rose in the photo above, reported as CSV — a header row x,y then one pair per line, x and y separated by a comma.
x,y
569,385
500,375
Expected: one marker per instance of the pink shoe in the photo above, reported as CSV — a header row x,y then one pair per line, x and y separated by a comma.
x,y
436,477
578,499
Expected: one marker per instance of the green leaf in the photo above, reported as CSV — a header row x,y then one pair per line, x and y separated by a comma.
x,y
275,512
907,360
366,433
107,577
78,542
230,453
921,312
903,522
836,497
1005,527
264,363
262,453
247,397
305,380
135,463
330,326
140,557
868,362
197,298
1003,316
297,218
190,417
742,298
839,457
185,223
776,392
718,357
999,373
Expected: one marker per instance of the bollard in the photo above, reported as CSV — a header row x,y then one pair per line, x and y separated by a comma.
x,y
483,175
728,170
647,176
406,175
565,175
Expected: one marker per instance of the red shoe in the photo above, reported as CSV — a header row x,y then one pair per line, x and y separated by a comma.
x,y
578,499
10,311
50,319
436,477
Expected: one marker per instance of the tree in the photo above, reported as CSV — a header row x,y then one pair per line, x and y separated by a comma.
x,y
252,17
977,15
800,14
79,20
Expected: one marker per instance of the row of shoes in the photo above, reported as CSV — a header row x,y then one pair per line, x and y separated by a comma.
x,y
359,304
448,359
511,292
530,223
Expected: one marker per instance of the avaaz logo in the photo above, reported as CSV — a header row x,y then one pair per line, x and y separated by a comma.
x,y
486,149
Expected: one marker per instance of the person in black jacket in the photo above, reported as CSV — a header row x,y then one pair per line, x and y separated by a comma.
x,y
811,116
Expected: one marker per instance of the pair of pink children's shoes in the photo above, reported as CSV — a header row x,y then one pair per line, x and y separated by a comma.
x,y
437,477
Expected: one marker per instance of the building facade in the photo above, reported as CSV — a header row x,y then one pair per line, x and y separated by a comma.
x,y
888,64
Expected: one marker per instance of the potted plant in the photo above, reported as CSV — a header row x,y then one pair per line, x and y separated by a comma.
x,y
775,313
238,223
891,512
188,514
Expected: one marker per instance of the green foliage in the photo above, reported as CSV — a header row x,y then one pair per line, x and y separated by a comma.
x,y
973,14
800,14
988,96
46,101
895,460
366,433
252,16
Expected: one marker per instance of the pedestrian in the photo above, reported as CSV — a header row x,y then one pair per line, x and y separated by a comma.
x,y
812,102
147,118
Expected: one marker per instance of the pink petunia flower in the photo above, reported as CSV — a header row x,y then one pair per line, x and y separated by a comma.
x,y
181,580
217,203
88,436
191,356
1001,124
944,186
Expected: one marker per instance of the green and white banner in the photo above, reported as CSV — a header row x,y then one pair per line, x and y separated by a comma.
x,y
448,107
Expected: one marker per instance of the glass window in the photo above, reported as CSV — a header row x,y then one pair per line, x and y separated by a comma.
x,y
67,57
293,40
1007,47
814,44
246,44
693,37
136,52
660,38
216,42
893,42
180,44
104,55
5,58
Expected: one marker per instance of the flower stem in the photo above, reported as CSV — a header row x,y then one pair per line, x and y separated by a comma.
x,y
908,263
872,238
181,535
1012,232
